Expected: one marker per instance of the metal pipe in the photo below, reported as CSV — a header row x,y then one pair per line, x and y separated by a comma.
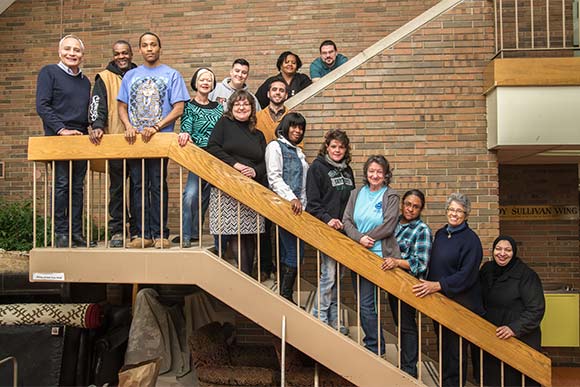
x,y
278,258
563,23
495,25
318,282
298,269
501,25
14,368
125,202
338,304
517,25
440,354
419,345
399,332
220,223
161,212
88,197
548,23
107,187
200,210
143,203
283,354
240,240
45,204
358,308
34,204
181,207
52,207
502,374
460,359
532,21
378,306
70,173
258,250
481,367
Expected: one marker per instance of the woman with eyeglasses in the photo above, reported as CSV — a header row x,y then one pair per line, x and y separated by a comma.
x,y
454,271
414,238
236,141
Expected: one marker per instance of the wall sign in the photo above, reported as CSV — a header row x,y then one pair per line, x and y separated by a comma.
x,y
538,212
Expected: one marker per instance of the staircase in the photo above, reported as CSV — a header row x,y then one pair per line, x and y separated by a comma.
x,y
176,266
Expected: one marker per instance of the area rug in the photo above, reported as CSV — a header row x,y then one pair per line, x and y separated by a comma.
x,y
74,315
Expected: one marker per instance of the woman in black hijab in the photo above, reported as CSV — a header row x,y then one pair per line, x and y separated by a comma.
x,y
514,299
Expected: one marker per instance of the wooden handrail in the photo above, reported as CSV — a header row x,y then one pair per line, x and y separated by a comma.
x,y
349,253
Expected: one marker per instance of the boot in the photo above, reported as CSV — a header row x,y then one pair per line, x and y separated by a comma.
x,y
287,279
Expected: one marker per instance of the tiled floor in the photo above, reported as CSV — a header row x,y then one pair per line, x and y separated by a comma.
x,y
566,376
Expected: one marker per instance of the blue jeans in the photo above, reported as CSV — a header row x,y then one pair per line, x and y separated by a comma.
x,y
328,308
151,204
409,335
288,250
191,205
368,314
61,196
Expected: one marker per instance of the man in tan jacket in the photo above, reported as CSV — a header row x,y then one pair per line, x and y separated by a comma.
x,y
104,118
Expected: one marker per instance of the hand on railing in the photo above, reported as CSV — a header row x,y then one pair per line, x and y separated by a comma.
x,y
367,242
425,288
95,135
296,206
183,139
245,170
504,332
131,134
335,224
70,132
147,133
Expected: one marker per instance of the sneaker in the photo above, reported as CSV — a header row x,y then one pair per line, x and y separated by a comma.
x,y
79,241
116,240
162,243
61,241
137,244
186,244
177,239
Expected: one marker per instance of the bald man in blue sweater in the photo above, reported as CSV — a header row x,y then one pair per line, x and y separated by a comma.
x,y
62,102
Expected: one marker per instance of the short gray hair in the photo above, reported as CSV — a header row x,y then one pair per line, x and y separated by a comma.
x,y
461,199
72,37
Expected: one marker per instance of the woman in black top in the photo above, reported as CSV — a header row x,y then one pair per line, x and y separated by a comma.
x,y
288,64
236,141
514,299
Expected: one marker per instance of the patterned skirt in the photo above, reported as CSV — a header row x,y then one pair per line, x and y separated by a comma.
x,y
224,208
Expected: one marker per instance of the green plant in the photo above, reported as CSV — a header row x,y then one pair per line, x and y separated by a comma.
x,y
16,225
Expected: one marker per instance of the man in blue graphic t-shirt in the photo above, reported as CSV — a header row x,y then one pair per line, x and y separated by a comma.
x,y
151,98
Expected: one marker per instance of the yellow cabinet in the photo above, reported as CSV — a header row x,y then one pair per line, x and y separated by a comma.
x,y
560,326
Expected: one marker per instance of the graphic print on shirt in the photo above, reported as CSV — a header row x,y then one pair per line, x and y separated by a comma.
x,y
147,95
339,181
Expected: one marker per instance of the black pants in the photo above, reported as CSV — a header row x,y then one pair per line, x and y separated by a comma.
x,y
266,265
247,249
117,181
409,334
450,356
62,185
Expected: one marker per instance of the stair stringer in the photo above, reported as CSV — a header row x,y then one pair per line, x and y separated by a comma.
x,y
225,282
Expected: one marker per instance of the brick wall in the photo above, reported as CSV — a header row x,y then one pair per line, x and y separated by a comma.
x,y
549,247
420,103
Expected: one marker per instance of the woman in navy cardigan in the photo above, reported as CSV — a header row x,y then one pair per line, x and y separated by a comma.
x,y
454,271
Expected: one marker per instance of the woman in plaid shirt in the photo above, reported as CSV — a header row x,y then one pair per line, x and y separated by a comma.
x,y
414,238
